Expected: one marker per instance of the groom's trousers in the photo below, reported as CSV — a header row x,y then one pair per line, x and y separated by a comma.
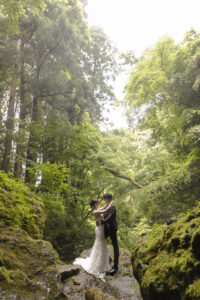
x,y
113,237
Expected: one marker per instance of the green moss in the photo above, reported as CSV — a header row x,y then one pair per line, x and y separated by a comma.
x,y
19,207
196,243
4,275
27,265
166,262
193,291
167,269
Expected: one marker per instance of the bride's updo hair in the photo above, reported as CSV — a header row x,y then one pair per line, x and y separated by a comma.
x,y
93,202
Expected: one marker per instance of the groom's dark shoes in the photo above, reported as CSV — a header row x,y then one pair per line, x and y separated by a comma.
x,y
113,270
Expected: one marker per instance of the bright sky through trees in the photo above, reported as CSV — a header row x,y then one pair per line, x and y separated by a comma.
x,y
138,24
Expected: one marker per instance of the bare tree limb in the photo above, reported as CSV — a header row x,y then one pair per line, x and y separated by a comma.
x,y
117,174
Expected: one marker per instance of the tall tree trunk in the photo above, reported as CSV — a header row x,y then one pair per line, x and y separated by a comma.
x,y
11,113
32,143
22,116
32,152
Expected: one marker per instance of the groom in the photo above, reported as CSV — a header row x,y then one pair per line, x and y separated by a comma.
x,y
110,229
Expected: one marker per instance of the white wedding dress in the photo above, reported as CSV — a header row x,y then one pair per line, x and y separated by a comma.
x,y
97,263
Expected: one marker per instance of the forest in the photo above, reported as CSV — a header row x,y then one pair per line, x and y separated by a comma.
x,y
56,78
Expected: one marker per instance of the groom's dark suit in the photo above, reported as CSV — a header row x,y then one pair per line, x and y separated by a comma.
x,y
110,229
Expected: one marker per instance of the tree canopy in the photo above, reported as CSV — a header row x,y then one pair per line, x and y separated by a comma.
x,y
56,78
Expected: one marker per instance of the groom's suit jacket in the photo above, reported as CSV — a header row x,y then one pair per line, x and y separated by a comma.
x,y
109,221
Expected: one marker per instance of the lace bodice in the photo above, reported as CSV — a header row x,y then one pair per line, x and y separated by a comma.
x,y
99,219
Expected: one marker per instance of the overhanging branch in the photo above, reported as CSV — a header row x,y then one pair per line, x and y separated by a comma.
x,y
117,174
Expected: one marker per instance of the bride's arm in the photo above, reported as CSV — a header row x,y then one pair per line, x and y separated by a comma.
x,y
96,216
96,213
103,210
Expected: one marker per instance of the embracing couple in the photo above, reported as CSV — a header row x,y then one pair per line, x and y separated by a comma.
x,y
106,226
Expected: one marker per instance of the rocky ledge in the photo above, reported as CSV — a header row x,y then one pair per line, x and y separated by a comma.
x,y
122,285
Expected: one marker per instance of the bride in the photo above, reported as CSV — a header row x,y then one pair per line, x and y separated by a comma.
x,y
97,263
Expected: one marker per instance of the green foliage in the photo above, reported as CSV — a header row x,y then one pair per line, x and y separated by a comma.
x,y
67,188
148,80
163,93
62,227
13,10
54,177
128,236
19,207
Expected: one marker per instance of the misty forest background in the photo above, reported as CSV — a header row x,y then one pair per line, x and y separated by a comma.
x,y
56,76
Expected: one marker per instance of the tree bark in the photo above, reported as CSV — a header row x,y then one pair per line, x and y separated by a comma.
x,y
11,113
32,152
19,148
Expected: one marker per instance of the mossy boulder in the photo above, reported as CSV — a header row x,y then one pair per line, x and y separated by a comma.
x,y
166,262
19,207
28,267
193,291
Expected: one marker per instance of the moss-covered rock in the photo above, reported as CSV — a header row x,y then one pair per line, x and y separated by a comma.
x,y
193,290
28,267
19,207
167,261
